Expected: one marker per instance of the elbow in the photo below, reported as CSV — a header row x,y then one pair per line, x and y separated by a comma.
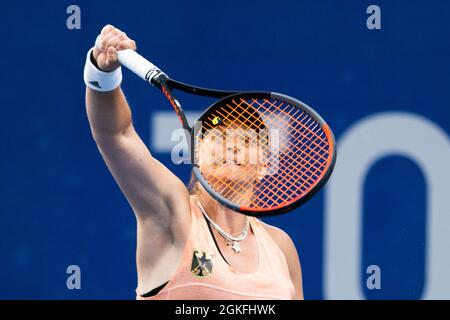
x,y
105,140
108,136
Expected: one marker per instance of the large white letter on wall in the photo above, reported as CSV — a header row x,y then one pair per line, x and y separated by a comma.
x,y
369,140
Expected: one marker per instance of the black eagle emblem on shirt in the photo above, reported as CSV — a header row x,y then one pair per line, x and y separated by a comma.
x,y
202,264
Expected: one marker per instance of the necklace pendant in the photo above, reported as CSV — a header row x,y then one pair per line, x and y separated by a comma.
x,y
236,247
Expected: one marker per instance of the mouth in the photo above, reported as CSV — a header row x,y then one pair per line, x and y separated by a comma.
x,y
231,162
227,163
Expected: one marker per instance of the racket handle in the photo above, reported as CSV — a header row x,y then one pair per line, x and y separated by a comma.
x,y
139,65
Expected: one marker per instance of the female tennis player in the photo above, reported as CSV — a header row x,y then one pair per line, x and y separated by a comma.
x,y
188,245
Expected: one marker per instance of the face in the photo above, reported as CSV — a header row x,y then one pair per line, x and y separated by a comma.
x,y
233,154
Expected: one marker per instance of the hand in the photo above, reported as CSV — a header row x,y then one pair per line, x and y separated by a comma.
x,y
108,43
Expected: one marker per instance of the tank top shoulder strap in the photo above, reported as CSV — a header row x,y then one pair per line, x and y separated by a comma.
x,y
199,231
274,258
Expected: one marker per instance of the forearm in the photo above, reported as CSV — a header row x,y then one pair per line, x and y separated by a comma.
x,y
108,112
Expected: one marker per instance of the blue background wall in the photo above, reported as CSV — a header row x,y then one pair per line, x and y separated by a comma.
x,y
60,206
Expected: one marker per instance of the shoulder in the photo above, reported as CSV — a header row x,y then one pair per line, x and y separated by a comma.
x,y
287,246
281,238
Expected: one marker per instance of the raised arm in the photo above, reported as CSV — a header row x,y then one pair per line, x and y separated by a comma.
x,y
152,190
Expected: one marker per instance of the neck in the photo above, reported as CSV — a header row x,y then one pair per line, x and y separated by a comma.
x,y
230,221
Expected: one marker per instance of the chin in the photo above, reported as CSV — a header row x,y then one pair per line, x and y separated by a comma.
x,y
230,175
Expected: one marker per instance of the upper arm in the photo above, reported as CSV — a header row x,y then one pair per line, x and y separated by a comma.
x,y
287,246
159,200
148,185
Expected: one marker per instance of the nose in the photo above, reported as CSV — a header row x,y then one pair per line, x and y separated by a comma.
x,y
232,152
234,149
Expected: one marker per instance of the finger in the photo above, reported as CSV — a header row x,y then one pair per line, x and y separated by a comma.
x,y
111,55
99,45
106,29
114,41
102,40
126,44
111,34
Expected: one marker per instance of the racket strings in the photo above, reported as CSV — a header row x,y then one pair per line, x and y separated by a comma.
x,y
291,144
301,157
303,125
282,180
292,155
237,116
299,166
228,189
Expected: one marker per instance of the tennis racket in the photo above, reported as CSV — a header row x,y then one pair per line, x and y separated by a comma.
x,y
282,152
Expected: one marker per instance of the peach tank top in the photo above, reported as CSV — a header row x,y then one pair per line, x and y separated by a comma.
x,y
203,274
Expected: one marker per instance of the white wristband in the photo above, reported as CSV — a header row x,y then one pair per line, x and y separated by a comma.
x,y
99,80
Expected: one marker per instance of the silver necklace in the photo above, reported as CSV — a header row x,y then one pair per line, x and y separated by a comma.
x,y
229,239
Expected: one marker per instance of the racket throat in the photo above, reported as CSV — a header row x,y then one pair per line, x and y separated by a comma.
x,y
156,78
